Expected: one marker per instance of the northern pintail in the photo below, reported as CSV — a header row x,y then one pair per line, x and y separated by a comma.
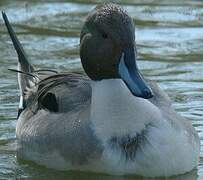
x,y
109,121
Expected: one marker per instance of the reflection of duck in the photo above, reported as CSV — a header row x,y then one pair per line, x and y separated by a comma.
x,y
109,123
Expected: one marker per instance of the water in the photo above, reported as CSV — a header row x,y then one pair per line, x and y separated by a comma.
x,y
169,36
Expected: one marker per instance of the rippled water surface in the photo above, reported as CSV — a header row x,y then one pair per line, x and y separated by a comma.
x,y
169,36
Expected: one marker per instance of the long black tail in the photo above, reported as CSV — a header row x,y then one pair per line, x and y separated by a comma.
x,y
24,81
17,45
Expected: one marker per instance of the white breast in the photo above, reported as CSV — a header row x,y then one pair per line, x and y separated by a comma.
x,y
169,149
116,112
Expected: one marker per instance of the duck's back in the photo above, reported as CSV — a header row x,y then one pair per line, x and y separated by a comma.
x,y
56,124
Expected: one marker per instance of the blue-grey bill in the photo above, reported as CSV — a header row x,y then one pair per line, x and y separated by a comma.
x,y
129,73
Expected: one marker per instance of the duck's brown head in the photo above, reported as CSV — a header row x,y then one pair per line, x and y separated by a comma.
x,y
107,48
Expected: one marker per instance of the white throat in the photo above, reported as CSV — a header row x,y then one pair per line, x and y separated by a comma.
x,y
116,112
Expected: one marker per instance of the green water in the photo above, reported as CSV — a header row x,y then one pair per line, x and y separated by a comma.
x,y
169,37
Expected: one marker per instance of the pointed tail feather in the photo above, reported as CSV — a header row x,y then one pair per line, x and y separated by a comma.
x,y
22,57
25,81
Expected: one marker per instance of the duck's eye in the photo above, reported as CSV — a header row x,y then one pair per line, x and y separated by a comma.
x,y
104,35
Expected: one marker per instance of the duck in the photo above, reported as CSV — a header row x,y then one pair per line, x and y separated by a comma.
x,y
109,119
